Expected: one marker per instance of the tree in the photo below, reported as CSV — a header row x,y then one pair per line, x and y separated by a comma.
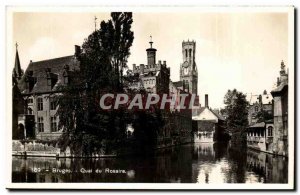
x,y
236,108
116,39
102,60
263,116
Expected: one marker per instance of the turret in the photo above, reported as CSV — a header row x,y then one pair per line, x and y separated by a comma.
x,y
151,54
17,71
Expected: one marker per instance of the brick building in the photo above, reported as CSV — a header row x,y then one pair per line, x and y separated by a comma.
x,y
280,95
209,125
153,77
258,103
272,135
38,86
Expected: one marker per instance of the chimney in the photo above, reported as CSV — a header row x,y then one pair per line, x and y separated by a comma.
x,y
159,64
77,51
142,66
134,67
206,100
260,99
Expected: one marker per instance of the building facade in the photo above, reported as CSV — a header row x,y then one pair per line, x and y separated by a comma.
x,y
260,136
280,95
153,77
189,73
257,104
181,118
209,125
39,87
271,135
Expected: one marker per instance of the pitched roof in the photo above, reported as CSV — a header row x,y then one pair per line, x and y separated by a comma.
x,y
252,99
178,84
201,109
279,88
218,115
258,125
38,71
17,71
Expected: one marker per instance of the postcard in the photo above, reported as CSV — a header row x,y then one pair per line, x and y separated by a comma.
x,y
171,97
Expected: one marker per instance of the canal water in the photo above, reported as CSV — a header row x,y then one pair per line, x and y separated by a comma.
x,y
191,163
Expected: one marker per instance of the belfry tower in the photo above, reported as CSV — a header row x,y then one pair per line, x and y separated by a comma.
x,y
188,69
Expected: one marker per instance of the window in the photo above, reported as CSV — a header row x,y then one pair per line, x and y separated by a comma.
x,y
66,79
30,112
52,104
270,131
190,52
40,104
49,81
40,124
256,108
186,53
53,124
30,101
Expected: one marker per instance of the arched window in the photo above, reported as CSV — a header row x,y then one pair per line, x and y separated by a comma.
x,y
186,53
29,111
270,131
190,53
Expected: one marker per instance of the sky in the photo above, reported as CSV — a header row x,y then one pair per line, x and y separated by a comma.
x,y
233,50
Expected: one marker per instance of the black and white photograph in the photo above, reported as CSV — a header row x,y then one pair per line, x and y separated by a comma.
x,y
192,98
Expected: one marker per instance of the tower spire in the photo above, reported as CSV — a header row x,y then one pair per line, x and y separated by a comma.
x,y
17,72
95,20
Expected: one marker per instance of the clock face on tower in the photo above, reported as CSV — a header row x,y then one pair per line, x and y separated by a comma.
x,y
185,68
186,71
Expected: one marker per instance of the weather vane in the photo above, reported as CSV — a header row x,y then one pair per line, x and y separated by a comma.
x,y
17,45
151,42
95,23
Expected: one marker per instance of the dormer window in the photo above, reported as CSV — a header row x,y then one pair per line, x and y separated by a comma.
x,y
51,78
49,81
66,74
66,79
30,80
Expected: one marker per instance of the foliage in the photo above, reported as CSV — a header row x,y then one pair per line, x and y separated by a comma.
x,y
147,126
263,116
87,128
102,60
236,108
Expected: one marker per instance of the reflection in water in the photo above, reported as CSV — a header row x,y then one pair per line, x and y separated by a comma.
x,y
194,163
